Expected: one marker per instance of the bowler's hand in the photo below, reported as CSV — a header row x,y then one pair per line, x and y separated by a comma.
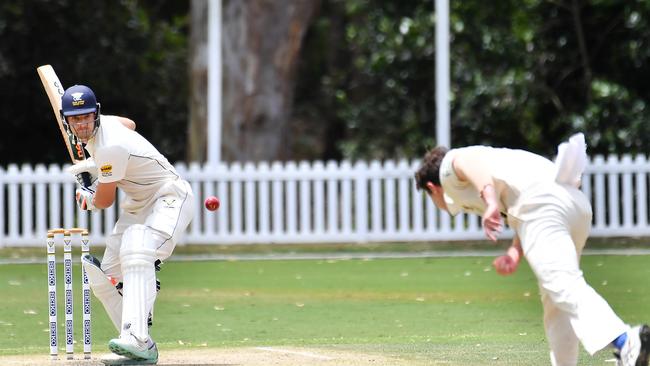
x,y
85,198
505,265
492,222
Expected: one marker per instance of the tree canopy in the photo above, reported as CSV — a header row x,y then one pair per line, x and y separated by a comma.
x,y
131,53
524,74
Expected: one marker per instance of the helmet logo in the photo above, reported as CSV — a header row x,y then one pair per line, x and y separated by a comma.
x,y
76,99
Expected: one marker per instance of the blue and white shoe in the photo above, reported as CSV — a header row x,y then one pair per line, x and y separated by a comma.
x,y
636,350
143,351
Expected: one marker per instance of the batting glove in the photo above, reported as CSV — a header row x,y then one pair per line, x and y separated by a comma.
x,y
85,172
85,198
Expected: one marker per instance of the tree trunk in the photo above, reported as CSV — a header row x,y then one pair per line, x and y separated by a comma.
x,y
198,74
261,44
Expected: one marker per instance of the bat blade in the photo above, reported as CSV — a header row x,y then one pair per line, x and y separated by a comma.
x,y
55,90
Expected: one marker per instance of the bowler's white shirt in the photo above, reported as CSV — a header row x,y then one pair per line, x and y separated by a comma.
x,y
515,174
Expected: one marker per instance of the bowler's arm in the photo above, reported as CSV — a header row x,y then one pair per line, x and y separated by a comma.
x,y
472,166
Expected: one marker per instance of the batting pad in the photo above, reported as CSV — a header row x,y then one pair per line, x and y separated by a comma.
x,y
137,257
104,290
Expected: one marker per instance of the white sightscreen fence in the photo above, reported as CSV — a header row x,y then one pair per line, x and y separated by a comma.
x,y
308,202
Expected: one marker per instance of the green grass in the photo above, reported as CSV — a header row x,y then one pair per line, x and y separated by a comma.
x,y
37,253
445,309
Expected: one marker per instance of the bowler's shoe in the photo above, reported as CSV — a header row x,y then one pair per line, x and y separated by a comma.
x,y
636,350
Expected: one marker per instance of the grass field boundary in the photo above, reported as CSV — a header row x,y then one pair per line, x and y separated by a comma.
x,y
344,256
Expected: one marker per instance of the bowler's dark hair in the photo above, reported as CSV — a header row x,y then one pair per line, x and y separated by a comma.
x,y
429,170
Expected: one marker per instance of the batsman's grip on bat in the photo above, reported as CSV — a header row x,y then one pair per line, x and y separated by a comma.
x,y
85,171
84,197
84,179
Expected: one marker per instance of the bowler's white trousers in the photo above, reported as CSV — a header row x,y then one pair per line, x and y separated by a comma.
x,y
553,223
169,215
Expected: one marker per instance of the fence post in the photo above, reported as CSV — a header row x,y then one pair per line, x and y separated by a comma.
x,y
223,182
41,200
600,195
236,214
612,192
27,201
626,196
641,191
332,198
361,201
389,197
264,200
13,198
376,206
196,172
291,206
3,215
404,183
305,206
417,202
250,201
319,200
346,198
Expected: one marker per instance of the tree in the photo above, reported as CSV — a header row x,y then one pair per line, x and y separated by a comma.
x,y
262,40
197,142
132,53
525,74
333,79
377,78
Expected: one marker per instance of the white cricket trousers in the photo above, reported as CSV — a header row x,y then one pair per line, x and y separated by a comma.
x,y
168,216
553,227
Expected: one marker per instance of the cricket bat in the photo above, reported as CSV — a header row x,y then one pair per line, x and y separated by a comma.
x,y
55,90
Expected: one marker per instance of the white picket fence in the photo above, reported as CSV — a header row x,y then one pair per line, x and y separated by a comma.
x,y
308,203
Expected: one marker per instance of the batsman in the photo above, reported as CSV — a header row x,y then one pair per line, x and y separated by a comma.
x,y
156,209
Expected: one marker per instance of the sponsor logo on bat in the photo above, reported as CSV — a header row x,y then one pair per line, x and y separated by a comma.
x,y
80,151
59,87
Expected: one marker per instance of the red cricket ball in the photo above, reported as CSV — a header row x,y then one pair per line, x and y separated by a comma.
x,y
212,203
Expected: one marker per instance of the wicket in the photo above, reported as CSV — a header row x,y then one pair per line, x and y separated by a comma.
x,y
66,238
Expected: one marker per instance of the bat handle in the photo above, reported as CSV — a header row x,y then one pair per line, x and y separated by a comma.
x,y
85,176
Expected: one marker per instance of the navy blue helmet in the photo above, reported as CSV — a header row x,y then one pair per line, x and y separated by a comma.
x,y
78,100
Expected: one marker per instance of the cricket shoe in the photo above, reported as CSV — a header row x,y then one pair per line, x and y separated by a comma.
x,y
636,349
144,351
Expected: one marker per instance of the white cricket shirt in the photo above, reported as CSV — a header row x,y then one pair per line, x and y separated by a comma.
x,y
515,173
124,156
